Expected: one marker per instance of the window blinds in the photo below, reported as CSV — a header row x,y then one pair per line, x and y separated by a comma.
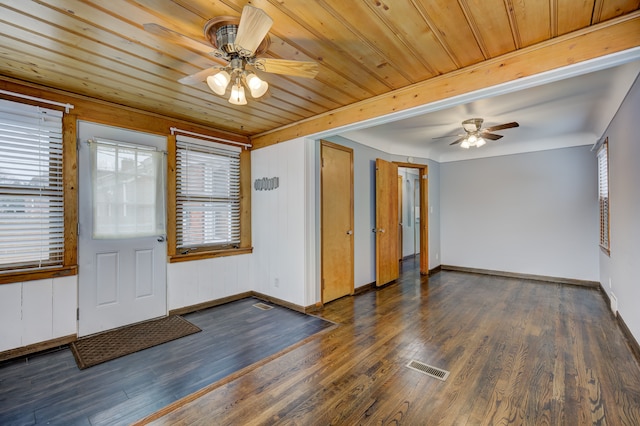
x,y
603,193
31,187
207,194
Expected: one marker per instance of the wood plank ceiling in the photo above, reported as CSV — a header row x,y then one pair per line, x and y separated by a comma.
x,y
365,49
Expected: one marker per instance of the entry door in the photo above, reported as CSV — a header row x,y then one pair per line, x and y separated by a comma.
x,y
122,248
336,221
387,265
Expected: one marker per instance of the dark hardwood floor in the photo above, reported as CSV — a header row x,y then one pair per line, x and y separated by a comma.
x,y
519,352
50,389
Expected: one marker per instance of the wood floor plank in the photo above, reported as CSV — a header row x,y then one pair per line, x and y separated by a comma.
x,y
518,352
50,389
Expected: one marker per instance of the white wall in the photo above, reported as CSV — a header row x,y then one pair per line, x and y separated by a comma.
x,y
278,223
534,213
37,311
622,268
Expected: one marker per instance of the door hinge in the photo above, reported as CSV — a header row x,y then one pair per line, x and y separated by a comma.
x,y
78,314
78,230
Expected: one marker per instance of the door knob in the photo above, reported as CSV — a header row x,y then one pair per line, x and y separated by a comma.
x,y
349,232
161,239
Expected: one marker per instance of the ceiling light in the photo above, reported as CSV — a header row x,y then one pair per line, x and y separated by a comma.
x,y
219,82
237,95
465,144
472,139
257,86
480,142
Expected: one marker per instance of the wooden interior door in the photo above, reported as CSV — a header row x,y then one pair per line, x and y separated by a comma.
x,y
387,265
336,193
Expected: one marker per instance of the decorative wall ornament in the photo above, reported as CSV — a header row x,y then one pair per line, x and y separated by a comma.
x,y
266,184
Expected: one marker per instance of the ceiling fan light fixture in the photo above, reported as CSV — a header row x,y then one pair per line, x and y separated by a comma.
x,y
257,86
465,144
480,142
237,95
218,82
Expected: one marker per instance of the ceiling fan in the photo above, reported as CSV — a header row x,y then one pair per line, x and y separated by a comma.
x,y
239,42
475,135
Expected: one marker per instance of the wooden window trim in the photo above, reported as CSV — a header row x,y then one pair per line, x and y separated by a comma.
x,y
245,212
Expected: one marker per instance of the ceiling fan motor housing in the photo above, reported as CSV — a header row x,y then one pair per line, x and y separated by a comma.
x,y
472,125
222,32
226,37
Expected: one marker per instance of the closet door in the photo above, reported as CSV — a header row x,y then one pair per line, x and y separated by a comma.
x,y
337,221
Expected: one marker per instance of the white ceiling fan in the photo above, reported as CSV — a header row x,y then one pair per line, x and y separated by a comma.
x,y
239,42
475,135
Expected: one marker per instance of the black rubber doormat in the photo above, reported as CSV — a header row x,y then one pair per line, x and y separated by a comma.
x,y
94,350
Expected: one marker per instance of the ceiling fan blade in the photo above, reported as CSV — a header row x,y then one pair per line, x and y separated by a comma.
x,y
501,127
308,69
198,77
254,26
448,136
491,136
179,39
458,141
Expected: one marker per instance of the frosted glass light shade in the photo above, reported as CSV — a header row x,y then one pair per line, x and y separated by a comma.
x,y
480,142
257,86
465,144
218,82
237,95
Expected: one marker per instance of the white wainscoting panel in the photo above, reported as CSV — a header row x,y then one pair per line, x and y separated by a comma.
x,y
65,304
200,281
10,316
37,311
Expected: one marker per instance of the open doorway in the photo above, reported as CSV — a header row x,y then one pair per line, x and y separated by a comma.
x,y
413,184
409,212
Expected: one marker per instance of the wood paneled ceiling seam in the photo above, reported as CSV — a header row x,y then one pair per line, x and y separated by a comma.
x,y
474,28
513,23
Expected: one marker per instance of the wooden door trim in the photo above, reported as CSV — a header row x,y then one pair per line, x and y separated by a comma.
x,y
324,143
423,171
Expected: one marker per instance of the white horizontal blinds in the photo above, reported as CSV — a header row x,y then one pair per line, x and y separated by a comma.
x,y
603,193
128,190
207,194
31,187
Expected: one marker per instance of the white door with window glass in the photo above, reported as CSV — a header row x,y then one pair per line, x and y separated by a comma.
x,y
121,242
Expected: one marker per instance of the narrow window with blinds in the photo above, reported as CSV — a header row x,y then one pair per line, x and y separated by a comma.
x,y
207,195
603,194
31,188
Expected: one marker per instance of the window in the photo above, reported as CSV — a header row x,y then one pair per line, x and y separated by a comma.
x,y
31,188
128,190
603,194
207,195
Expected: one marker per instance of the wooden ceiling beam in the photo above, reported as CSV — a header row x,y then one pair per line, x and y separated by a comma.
x,y
609,37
